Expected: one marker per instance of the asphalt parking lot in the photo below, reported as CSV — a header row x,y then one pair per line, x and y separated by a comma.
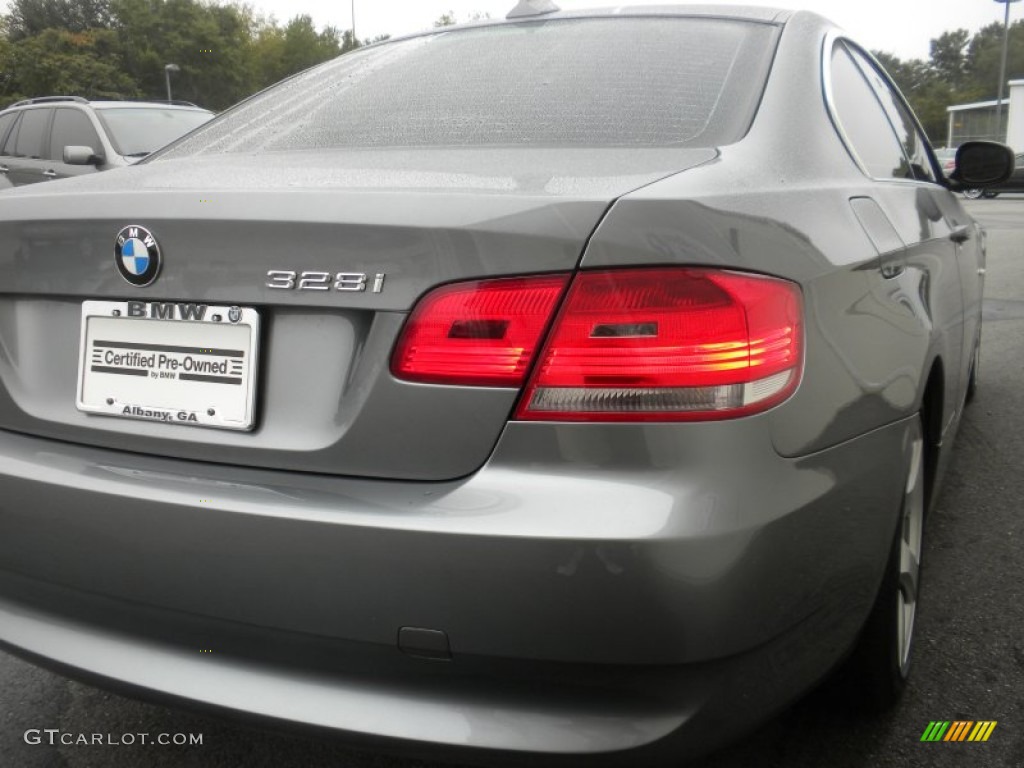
x,y
969,661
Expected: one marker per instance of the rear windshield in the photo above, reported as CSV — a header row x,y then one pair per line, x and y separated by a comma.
x,y
137,131
593,82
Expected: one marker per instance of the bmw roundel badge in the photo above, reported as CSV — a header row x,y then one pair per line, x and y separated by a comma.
x,y
137,255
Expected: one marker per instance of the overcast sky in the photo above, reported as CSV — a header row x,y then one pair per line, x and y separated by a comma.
x,y
902,27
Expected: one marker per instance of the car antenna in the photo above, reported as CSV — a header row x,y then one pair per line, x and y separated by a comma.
x,y
532,8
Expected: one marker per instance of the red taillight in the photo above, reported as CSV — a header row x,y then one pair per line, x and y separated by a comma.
x,y
668,344
650,344
483,332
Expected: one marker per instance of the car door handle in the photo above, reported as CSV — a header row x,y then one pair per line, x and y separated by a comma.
x,y
50,173
4,169
960,234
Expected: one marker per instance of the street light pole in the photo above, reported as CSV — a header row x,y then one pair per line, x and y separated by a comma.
x,y
353,22
1002,66
168,68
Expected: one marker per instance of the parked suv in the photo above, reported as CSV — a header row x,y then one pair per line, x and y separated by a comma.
x,y
53,137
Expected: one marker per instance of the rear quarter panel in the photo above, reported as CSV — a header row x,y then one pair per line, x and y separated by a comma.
x,y
778,202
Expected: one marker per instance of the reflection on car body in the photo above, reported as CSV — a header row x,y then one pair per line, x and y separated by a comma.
x,y
1013,184
633,445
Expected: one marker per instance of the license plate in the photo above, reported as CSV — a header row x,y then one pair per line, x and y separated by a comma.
x,y
172,362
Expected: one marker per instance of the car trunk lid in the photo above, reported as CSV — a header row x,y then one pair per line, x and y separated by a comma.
x,y
229,227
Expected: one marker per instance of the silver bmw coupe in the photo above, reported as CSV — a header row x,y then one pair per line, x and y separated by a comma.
x,y
570,385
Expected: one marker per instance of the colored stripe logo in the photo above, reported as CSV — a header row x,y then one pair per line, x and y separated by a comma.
x,y
958,730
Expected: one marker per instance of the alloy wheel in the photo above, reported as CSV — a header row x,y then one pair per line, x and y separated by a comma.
x,y
911,530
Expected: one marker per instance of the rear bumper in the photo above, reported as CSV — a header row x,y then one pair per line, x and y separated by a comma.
x,y
603,588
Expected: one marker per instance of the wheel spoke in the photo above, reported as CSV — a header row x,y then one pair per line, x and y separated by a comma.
x,y
911,528
908,586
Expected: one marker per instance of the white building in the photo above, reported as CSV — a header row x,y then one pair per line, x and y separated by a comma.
x,y
978,121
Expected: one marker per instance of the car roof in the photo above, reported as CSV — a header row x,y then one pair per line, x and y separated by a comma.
x,y
133,104
72,101
739,12
748,13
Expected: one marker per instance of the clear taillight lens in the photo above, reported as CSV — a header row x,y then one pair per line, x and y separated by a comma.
x,y
484,332
665,344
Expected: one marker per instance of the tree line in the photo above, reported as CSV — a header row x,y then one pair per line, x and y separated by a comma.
x,y
117,49
961,69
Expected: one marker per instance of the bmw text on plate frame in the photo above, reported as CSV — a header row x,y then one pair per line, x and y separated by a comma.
x,y
632,448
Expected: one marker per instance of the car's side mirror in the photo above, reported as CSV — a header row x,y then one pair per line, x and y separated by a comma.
x,y
981,164
81,156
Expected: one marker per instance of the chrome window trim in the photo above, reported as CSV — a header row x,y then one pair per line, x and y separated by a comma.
x,y
833,39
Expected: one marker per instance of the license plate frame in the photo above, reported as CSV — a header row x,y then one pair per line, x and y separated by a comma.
x,y
132,362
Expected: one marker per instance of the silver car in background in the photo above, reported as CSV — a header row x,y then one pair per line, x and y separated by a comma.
x,y
56,137
574,384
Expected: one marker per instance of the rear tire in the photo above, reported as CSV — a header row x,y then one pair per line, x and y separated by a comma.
x,y
972,380
880,663
972,194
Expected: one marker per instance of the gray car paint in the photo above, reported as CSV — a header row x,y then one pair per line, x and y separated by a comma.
x,y
622,557
329,403
785,221
651,588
